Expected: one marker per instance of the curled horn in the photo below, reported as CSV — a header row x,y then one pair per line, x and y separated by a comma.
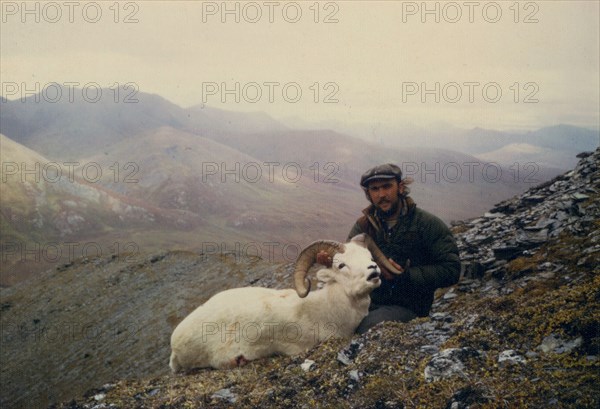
x,y
307,258
378,255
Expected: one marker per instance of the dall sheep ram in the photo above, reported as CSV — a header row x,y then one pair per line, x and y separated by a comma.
x,y
242,324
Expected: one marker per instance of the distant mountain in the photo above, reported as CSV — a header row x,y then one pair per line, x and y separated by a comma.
x,y
525,153
559,143
49,214
185,171
73,128
240,195
69,130
191,191
447,182
202,175
235,122
564,137
162,189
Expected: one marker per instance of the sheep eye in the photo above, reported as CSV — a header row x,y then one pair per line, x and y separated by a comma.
x,y
341,265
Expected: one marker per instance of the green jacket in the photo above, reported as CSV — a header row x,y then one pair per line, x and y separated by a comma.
x,y
427,242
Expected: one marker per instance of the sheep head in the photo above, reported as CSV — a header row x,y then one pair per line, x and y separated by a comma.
x,y
354,260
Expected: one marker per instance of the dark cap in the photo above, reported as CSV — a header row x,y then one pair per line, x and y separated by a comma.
x,y
386,171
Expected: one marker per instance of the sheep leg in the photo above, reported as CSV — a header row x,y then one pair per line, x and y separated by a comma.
x,y
239,360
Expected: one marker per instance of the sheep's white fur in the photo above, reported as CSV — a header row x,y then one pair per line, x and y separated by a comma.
x,y
243,324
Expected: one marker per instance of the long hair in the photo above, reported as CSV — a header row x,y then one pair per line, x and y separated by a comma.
x,y
405,182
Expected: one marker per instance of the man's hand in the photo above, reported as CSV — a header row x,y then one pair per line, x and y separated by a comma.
x,y
389,275
324,258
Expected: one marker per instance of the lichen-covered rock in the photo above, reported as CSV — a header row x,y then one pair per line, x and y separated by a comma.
x,y
448,363
554,344
510,356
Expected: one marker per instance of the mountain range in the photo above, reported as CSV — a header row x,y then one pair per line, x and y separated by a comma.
x,y
150,175
552,146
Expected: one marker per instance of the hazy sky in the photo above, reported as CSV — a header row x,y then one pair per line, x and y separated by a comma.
x,y
502,65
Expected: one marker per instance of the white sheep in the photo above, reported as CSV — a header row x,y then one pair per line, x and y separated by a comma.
x,y
242,324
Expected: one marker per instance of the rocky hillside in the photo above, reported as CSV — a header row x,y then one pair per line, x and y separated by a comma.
x,y
46,207
520,329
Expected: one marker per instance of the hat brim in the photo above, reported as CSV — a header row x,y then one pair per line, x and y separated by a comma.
x,y
376,177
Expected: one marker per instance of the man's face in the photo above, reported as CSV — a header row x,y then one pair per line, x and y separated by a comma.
x,y
384,194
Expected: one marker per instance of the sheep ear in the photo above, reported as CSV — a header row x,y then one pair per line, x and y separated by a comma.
x,y
360,239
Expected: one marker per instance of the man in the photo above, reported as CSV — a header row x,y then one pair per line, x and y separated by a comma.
x,y
418,243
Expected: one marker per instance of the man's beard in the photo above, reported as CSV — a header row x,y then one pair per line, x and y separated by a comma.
x,y
390,212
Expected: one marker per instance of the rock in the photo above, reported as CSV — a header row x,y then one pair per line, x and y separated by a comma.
x,y
347,355
354,375
343,358
547,275
556,345
506,252
430,349
467,397
546,266
441,316
450,295
307,365
481,239
510,356
99,396
100,406
225,394
578,197
448,363
545,223
534,198
531,354
472,269
583,155
530,239
427,326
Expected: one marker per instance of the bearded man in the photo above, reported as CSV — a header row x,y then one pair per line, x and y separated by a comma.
x,y
418,244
